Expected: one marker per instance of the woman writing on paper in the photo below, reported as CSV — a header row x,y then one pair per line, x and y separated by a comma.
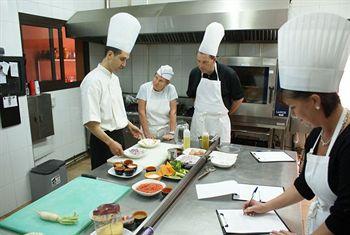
x,y
312,52
157,102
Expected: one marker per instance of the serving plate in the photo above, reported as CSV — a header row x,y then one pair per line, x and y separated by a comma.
x,y
111,171
194,151
134,153
136,185
149,143
125,232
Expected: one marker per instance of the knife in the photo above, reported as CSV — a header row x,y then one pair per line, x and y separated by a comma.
x,y
98,178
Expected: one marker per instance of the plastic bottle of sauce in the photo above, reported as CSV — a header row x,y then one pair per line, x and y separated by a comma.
x,y
187,138
205,140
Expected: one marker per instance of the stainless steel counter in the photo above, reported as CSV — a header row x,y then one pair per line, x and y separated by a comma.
x,y
188,215
192,216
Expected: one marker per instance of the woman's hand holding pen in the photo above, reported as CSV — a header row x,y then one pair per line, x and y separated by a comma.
x,y
253,207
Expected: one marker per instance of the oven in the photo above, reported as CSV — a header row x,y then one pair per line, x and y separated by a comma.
x,y
258,78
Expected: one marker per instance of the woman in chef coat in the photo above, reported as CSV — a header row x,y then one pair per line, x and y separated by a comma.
x,y
157,105
312,52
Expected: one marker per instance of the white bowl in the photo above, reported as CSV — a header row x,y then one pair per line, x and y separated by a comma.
x,y
149,143
134,187
130,152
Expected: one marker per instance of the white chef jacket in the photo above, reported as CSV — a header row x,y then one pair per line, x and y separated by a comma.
x,y
146,92
102,100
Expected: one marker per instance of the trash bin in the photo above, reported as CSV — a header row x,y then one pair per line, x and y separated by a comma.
x,y
47,177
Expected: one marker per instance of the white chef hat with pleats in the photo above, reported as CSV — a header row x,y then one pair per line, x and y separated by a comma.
x,y
212,38
312,52
123,31
166,71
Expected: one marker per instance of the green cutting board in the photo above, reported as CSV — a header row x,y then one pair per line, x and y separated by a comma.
x,y
80,195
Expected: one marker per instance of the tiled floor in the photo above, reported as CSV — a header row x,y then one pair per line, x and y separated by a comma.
x,y
77,168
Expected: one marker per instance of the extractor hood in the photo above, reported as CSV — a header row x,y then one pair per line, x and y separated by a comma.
x,y
185,22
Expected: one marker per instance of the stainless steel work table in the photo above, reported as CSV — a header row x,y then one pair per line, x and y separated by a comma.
x,y
188,215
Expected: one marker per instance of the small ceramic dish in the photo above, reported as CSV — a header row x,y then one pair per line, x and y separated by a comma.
x,y
153,175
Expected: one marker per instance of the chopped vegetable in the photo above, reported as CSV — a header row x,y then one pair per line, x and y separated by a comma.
x,y
49,216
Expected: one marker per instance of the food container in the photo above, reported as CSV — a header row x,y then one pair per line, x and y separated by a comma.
x,y
128,161
107,220
173,153
166,191
153,175
228,148
151,168
119,170
129,222
133,166
139,217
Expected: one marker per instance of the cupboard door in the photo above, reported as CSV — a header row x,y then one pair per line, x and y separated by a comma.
x,y
45,115
33,117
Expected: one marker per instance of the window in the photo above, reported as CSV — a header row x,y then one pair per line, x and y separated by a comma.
x,y
56,61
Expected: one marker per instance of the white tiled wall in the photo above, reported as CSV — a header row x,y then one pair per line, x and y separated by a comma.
x,y
145,60
16,151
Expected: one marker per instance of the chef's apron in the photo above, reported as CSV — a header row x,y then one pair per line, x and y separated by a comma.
x,y
210,114
316,176
157,113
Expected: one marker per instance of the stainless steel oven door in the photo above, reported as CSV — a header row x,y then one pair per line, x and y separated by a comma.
x,y
258,80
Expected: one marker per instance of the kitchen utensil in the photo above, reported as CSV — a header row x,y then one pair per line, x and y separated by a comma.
x,y
206,172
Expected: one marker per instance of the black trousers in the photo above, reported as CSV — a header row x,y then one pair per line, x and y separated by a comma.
x,y
99,151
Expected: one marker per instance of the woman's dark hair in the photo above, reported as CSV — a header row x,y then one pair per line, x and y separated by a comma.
x,y
329,101
114,50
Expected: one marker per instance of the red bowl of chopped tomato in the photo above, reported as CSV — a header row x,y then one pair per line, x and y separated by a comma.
x,y
148,187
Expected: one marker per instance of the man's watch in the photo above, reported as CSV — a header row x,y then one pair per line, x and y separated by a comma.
x,y
171,132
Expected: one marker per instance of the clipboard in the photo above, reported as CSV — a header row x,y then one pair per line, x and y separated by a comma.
x,y
226,225
275,156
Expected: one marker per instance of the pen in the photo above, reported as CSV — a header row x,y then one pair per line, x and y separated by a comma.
x,y
250,201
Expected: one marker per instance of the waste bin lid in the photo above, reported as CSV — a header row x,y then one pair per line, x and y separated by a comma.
x,y
47,167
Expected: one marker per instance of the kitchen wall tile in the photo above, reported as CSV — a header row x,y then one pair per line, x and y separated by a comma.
x,y
17,137
3,141
188,63
140,50
249,49
175,49
119,3
8,11
232,49
22,191
20,162
269,50
8,199
6,170
159,50
56,155
48,11
84,5
29,7
65,14
137,82
190,49
11,39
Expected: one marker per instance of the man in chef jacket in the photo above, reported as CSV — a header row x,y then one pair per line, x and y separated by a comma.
x,y
102,102
215,87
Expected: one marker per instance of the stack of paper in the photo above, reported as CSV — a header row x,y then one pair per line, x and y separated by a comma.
x,y
239,191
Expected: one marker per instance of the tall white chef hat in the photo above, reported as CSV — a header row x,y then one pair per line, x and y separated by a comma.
x,y
312,52
123,31
212,38
166,72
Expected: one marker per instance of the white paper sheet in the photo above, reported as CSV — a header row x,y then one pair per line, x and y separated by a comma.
x,y
233,221
272,156
264,193
2,78
5,67
14,69
216,189
9,101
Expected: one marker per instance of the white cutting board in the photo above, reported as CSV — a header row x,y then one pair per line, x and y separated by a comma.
x,y
153,157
